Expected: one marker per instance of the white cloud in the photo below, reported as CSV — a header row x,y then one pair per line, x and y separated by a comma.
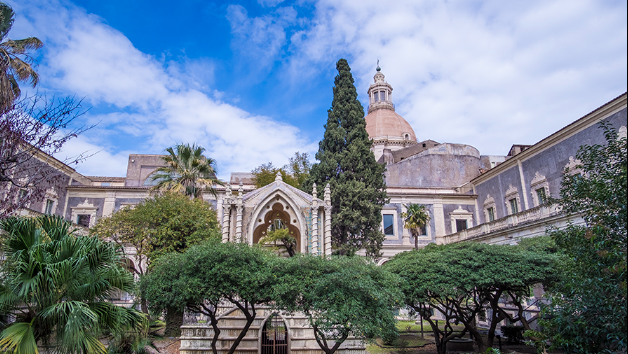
x,y
158,107
488,73
262,38
100,162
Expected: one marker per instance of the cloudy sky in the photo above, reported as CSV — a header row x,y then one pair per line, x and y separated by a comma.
x,y
252,81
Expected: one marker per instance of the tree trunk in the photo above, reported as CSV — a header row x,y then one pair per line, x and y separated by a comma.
x,y
250,313
143,305
496,317
174,320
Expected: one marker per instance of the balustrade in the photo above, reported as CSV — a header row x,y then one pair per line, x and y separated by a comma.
x,y
530,215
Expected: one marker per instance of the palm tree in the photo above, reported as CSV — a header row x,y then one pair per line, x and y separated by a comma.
x,y
415,218
55,285
12,67
187,171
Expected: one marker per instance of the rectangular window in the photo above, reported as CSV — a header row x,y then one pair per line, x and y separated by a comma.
x,y
388,225
461,224
513,206
423,231
540,195
376,96
49,204
382,95
105,184
491,214
83,220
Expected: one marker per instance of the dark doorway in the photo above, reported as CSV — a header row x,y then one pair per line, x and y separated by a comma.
x,y
275,336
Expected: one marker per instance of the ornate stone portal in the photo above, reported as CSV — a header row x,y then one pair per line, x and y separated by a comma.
x,y
247,218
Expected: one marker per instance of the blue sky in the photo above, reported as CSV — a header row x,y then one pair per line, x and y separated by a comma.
x,y
251,80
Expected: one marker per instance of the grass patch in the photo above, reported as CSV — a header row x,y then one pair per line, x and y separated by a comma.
x,y
408,339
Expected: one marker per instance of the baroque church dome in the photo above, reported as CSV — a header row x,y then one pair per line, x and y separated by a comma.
x,y
382,122
387,124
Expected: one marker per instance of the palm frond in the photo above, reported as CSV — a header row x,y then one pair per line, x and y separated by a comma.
x,y
19,338
7,16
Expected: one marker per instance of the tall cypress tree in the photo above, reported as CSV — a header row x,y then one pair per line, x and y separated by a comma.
x,y
358,190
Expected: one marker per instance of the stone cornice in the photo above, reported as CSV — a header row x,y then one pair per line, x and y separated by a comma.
x,y
579,125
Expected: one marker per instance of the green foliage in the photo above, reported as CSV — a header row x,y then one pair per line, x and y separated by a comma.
x,y
346,163
299,167
536,339
282,236
265,174
341,297
208,273
186,171
458,280
166,223
295,173
539,244
588,313
415,217
15,62
55,284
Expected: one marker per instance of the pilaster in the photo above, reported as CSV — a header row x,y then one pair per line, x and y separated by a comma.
x,y
327,246
226,206
238,233
314,222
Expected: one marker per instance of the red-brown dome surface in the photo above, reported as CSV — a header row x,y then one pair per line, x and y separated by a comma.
x,y
387,123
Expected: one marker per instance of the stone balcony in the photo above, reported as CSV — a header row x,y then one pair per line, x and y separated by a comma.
x,y
528,223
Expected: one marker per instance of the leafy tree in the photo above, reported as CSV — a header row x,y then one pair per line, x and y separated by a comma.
x,y
460,280
587,313
358,190
415,218
294,173
15,63
281,235
299,167
55,285
171,222
206,274
341,297
265,174
187,170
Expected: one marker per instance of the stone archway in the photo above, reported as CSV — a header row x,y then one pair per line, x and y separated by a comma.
x,y
274,339
277,212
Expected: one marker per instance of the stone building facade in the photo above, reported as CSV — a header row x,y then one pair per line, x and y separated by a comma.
x,y
469,196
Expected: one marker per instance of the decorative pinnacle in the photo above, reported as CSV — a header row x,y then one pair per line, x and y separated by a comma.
x,y
228,190
378,68
314,190
278,176
240,189
327,195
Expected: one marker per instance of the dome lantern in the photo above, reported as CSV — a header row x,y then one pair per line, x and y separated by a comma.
x,y
385,127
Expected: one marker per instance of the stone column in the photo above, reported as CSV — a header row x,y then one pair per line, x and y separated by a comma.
x,y
238,233
327,246
226,205
314,221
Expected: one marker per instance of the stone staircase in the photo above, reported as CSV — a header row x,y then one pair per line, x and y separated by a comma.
x,y
196,338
